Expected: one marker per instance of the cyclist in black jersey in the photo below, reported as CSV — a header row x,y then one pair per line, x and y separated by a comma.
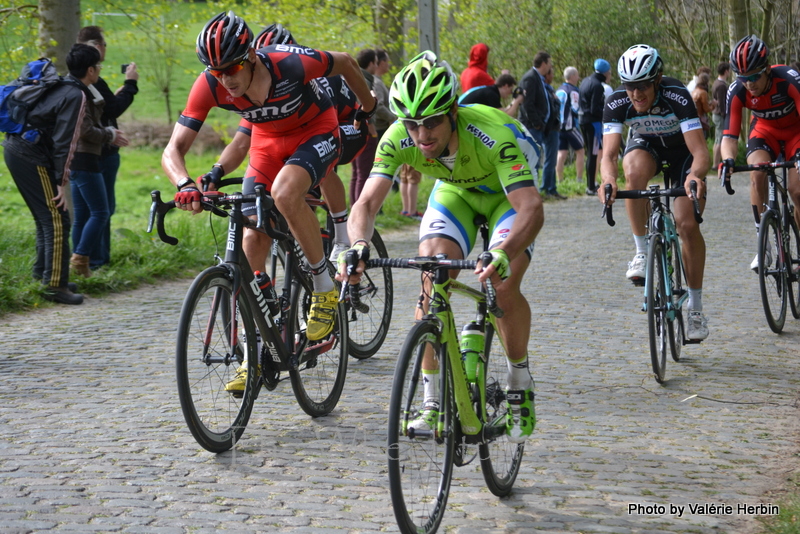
x,y
664,128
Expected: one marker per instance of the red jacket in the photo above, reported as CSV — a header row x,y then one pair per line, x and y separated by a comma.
x,y
475,74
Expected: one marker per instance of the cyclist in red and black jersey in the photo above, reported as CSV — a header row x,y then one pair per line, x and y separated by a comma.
x,y
295,141
773,95
352,139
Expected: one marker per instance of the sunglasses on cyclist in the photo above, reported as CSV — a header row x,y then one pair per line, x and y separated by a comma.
x,y
429,123
753,77
641,86
227,71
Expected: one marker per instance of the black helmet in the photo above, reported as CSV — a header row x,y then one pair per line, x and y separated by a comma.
x,y
748,55
223,39
274,34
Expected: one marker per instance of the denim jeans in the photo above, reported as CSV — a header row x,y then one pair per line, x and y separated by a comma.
x,y
91,210
109,166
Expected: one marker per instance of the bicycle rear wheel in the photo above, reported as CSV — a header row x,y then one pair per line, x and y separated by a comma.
x,y
319,378
500,459
793,263
772,278
420,467
657,306
205,361
675,327
368,330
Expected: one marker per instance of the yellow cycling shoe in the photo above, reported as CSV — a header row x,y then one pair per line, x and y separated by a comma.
x,y
322,314
236,386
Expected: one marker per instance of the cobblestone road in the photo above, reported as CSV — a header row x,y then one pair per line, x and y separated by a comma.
x,y
93,439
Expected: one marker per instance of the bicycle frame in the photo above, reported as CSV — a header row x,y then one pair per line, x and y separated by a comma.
x,y
662,223
441,310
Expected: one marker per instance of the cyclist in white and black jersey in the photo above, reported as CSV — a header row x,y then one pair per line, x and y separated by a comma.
x,y
664,129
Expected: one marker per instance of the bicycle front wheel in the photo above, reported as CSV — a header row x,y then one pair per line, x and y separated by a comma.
x,y
793,264
368,330
772,278
657,306
322,366
206,361
675,327
500,458
420,466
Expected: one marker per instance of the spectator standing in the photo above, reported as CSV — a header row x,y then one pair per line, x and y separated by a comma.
x,y
535,108
40,171
700,98
116,103
569,136
493,95
551,138
592,100
477,72
383,116
719,93
693,83
86,179
362,164
409,190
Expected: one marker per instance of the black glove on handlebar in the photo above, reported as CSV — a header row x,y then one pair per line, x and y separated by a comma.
x,y
214,176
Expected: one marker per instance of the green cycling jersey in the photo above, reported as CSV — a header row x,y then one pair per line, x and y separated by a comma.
x,y
496,154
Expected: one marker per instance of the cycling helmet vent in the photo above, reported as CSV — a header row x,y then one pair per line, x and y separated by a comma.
x,y
274,34
639,63
749,54
424,87
225,38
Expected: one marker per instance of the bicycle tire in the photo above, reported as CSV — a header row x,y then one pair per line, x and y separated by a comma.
x,y
772,276
420,469
319,378
657,306
793,262
675,327
500,458
215,418
368,330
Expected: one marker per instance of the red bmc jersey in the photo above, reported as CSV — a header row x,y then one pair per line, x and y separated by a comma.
x,y
775,109
292,101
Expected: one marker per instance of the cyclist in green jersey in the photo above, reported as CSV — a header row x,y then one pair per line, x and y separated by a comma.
x,y
484,164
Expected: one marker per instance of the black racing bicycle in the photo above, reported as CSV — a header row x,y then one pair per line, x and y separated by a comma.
x,y
778,245
226,322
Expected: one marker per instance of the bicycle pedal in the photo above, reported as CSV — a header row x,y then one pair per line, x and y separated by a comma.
x,y
692,341
638,282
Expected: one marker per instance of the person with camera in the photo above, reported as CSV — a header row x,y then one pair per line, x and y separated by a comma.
x,y
493,95
116,103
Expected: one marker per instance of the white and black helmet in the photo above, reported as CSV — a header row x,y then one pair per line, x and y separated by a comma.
x,y
639,63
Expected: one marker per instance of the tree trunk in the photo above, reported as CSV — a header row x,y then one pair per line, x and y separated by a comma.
x,y
59,22
738,21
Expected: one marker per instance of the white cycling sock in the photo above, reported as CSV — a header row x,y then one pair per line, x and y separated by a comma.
x,y
322,280
695,300
430,383
340,226
519,377
641,244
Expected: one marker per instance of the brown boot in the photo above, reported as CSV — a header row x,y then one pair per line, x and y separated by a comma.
x,y
80,265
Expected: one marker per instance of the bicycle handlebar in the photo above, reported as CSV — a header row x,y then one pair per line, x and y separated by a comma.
x,y
649,194
763,166
211,201
433,263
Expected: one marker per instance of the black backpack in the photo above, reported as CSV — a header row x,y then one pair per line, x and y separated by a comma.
x,y
20,96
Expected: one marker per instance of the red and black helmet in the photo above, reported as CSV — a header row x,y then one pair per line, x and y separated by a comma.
x,y
748,55
223,39
274,34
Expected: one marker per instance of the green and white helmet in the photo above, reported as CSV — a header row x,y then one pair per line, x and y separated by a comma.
x,y
424,87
